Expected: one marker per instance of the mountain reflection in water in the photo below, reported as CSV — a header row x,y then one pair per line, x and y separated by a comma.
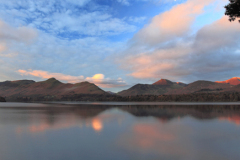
x,y
57,131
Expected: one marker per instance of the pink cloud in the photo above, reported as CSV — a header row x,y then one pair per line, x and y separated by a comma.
x,y
173,23
59,76
160,63
151,70
98,79
187,55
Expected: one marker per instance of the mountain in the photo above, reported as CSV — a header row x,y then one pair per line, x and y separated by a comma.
x,y
54,90
51,88
158,88
163,82
16,83
112,93
181,84
232,81
168,87
143,89
201,87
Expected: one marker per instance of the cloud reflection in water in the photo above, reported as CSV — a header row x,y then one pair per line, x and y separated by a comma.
x,y
127,132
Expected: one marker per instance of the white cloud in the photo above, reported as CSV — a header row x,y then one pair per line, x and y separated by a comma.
x,y
137,19
19,34
129,2
124,2
64,18
54,55
78,2
54,36
10,37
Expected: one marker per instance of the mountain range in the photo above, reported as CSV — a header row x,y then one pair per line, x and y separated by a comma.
x,y
167,87
52,89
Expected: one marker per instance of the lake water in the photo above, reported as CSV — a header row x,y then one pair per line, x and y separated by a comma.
x,y
118,131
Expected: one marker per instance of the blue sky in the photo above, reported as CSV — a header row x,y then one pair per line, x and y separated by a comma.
x,y
117,43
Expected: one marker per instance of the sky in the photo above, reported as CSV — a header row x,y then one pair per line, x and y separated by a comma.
x,y
118,43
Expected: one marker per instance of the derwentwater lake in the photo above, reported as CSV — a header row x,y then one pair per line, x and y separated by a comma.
x,y
119,131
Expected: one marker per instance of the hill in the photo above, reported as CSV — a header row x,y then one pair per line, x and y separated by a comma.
x,y
49,89
163,82
201,87
166,87
158,88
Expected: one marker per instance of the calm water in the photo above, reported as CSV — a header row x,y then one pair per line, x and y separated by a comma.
x,y
104,131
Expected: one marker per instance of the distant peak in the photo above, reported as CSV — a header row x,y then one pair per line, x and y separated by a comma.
x,y
111,92
85,82
232,81
163,82
181,84
52,80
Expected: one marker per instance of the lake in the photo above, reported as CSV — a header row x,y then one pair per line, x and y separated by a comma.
x,y
118,131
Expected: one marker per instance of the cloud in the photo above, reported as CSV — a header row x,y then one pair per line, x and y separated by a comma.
x,y
64,18
136,19
3,47
19,34
171,24
78,2
100,80
217,35
97,79
173,51
47,75
65,37
68,56
11,37
205,53
130,2
124,2
72,36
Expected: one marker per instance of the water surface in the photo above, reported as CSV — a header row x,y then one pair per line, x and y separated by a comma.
x,y
119,131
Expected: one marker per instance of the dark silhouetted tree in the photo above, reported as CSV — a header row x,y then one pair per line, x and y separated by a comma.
x,y
233,10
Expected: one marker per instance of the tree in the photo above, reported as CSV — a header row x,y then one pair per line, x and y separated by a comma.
x,y
233,10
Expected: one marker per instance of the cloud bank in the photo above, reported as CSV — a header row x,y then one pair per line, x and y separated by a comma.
x,y
168,47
